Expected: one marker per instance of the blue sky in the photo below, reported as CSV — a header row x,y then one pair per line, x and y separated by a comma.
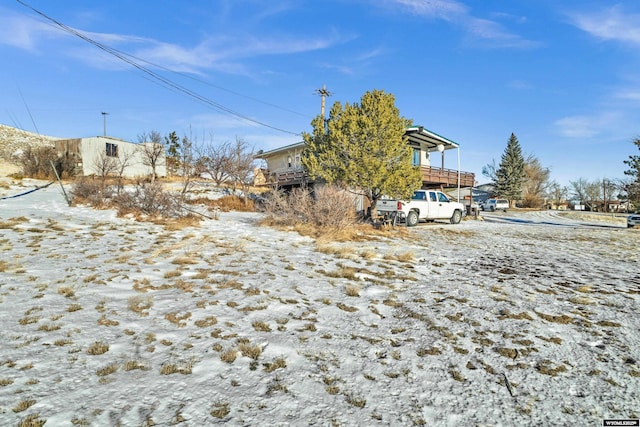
x,y
563,76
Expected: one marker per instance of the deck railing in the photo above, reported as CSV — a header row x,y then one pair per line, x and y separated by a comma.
x,y
446,177
430,176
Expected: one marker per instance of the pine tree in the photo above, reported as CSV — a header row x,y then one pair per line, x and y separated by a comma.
x,y
172,143
362,146
510,175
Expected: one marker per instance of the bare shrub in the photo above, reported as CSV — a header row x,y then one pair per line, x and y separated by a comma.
x,y
36,162
91,191
149,199
328,207
334,208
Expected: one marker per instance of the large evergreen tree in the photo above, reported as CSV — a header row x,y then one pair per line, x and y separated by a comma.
x,y
510,175
363,147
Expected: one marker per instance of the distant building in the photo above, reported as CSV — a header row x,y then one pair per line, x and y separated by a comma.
x,y
88,153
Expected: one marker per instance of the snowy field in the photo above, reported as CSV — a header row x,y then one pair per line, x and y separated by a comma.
x,y
527,319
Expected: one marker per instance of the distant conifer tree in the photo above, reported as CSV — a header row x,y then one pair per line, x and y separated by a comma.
x,y
632,187
511,175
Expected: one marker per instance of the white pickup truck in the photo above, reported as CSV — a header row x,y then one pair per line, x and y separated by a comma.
x,y
425,205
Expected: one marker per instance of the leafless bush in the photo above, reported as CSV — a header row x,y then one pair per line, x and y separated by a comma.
x,y
328,207
333,208
36,162
91,191
150,199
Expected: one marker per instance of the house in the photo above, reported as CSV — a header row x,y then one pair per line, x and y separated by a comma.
x,y
95,155
284,166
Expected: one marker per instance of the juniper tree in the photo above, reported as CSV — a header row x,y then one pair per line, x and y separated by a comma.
x,y
510,175
363,147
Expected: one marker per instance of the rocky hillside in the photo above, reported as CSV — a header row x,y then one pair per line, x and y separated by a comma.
x,y
13,140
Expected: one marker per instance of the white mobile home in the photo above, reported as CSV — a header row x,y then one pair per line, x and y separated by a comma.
x,y
89,155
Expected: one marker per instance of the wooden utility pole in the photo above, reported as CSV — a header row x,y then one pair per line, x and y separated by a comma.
x,y
323,93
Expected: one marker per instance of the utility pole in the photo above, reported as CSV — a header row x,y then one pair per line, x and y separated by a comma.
x,y
104,121
323,93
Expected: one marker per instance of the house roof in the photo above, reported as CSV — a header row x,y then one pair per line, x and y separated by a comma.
x,y
418,135
264,154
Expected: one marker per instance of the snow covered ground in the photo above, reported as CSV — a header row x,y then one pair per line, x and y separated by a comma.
x,y
106,321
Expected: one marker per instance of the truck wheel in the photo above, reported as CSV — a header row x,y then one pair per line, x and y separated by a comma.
x,y
456,217
412,219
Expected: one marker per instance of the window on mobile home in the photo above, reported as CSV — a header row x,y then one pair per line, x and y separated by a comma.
x,y
112,150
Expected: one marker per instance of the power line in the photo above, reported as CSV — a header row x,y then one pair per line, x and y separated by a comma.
x,y
163,80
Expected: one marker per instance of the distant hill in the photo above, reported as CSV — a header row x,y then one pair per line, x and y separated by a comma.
x,y
13,140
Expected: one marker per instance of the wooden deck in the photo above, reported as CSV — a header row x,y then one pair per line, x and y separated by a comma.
x,y
446,177
430,177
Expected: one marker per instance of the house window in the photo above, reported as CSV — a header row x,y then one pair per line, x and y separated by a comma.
x,y
416,157
112,150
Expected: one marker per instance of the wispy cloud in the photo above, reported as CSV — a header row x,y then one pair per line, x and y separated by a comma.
x,y
24,32
586,126
216,52
613,23
479,30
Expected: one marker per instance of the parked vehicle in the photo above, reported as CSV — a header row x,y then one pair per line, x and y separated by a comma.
x,y
493,205
426,205
633,220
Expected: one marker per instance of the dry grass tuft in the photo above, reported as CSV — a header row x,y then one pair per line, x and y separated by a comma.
x,y
172,274
139,304
131,365
6,381
184,260
346,308
32,420
103,321
344,272
431,351
261,326
564,319
178,319
229,355
545,367
107,370
27,320
97,348
251,351
352,290
67,291
357,401
23,405
220,409
74,307
184,368
49,327
279,363
206,322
